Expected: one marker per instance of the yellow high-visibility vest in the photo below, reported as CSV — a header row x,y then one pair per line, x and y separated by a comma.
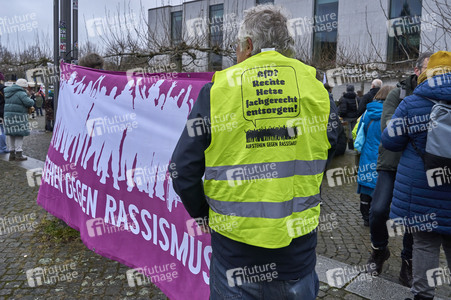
x,y
268,151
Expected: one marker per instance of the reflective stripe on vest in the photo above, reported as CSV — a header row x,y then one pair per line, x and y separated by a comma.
x,y
283,169
270,210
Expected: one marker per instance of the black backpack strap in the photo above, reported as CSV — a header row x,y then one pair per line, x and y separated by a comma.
x,y
421,154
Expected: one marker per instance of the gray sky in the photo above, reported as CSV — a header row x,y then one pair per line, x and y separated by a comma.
x,y
20,20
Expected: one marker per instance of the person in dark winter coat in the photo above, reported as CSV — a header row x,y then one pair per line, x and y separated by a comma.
x,y
368,97
340,149
3,147
39,101
425,209
49,112
16,117
367,175
347,109
387,164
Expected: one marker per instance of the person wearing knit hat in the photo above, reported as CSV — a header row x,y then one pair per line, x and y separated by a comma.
x,y
347,109
16,124
439,64
3,147
420,198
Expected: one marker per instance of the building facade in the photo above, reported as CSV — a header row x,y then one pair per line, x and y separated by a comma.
x,y
339,32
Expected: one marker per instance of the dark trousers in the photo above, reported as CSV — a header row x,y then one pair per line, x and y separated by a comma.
x,y
379,214
365,204
49,125
426,257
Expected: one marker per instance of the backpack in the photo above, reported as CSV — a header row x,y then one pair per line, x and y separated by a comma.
x,y
437,155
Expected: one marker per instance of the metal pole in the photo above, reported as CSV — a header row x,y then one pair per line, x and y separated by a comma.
x,y
56,51
63,30
68,13
75,29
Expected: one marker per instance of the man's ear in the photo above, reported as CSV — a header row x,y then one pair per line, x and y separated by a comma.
x,y
249,47
417,71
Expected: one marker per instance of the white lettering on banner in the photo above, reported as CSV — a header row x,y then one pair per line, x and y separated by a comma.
x,y
94,144
108,154
179,250
87,199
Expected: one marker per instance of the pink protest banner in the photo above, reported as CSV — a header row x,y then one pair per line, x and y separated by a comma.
x,y
106,174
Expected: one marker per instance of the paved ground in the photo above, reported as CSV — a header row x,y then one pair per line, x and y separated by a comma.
x,y
347,244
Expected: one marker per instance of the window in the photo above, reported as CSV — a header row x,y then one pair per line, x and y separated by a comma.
x,y
325,30
264,2
176,37
216,35
176,27
404,29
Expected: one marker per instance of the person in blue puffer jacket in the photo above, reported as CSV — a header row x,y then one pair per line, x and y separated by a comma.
x,y
370,123
417,207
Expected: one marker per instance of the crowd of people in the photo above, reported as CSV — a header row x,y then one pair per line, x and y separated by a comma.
x,y
392,175
18,103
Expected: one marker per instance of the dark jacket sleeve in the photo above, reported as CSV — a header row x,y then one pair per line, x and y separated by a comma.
x,y
188,159
334,128
362,104
395,137
342,107
390,105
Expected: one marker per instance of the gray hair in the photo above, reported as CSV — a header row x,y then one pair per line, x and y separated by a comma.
x,y
421,58
92,60
377,83
266,26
